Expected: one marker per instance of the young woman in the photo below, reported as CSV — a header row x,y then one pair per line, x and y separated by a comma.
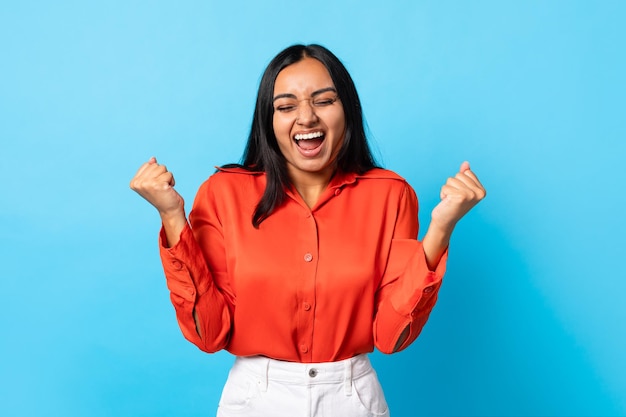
x,y
304,257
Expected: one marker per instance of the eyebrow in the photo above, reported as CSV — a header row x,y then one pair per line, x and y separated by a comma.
x,y
315,93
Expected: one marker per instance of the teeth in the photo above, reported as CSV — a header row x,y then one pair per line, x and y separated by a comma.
x,y
309,136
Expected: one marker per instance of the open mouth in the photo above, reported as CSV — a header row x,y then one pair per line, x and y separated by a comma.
x,y
309,141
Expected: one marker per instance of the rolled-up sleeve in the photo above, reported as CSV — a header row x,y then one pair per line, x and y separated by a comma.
x,y
408,291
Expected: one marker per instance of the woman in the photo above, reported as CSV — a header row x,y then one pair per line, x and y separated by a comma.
x,y
304,257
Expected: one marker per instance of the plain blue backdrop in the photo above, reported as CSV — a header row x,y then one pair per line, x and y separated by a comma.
x,y
531,316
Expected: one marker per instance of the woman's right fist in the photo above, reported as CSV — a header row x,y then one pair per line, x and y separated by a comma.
x,y
156,184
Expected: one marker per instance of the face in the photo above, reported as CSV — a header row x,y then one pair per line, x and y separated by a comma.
x,y
309,122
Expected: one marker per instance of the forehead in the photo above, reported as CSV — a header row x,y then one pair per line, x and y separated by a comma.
x,y
303,78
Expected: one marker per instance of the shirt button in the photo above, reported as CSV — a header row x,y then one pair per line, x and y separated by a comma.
x,y
338,191
307,306
312,372
304,348
177,265
308,257
428,289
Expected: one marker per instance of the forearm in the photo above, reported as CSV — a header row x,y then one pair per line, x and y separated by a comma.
x,y
407,296
202,310
435,244
173,225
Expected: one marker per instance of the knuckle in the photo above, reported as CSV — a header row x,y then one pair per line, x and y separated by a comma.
x,y
135,184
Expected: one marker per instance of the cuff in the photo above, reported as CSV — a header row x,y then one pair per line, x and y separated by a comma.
x,y
184,265
416,283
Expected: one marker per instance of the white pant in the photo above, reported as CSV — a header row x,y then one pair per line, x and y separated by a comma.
x,y
263,387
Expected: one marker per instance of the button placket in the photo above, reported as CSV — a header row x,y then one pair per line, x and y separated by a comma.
x,y
307,248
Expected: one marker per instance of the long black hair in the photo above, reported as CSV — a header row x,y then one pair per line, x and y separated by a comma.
x,y
262,152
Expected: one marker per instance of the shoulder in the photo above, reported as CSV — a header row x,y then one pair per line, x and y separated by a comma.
x,y
231,180
379,177
233,175
385,182
231,187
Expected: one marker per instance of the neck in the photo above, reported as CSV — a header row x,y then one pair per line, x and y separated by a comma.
x,y
311,186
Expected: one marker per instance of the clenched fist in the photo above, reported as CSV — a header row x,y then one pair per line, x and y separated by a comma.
x,y
156,184
459,194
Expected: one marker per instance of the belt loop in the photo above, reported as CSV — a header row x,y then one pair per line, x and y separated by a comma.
x,y
347,377
263,379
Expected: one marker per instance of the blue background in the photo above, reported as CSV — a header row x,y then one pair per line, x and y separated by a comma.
x,y
531,316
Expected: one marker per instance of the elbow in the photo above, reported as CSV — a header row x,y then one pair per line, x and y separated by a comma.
x,y
206,344
402,339
391,342
210,334
405,333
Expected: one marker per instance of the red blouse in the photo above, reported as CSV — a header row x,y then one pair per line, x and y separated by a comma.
x,y
309,285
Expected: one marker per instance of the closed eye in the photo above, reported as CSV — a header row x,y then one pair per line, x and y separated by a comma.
x,y
286,106
322,102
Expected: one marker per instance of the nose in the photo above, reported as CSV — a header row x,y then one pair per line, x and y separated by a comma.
x,y
306,113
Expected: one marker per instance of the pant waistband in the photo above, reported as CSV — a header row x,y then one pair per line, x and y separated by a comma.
x,y
266,370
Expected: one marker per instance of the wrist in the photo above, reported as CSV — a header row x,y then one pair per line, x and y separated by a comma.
x,y
435,243
173,216
440,232
173,223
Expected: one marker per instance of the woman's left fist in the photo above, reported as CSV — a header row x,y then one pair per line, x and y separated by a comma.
x,y
459,194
